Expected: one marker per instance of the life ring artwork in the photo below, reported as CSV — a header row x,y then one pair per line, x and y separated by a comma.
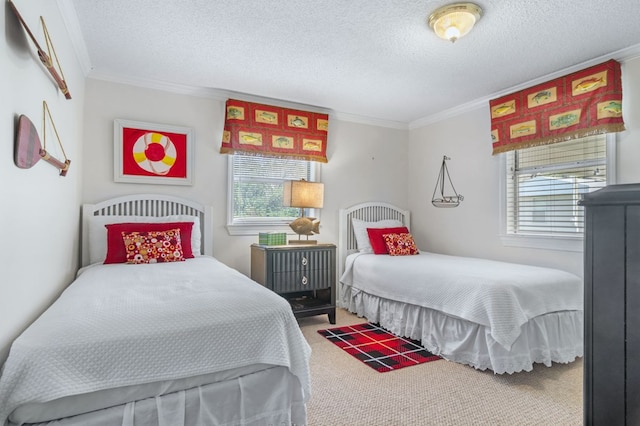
x,y
150,153
155,153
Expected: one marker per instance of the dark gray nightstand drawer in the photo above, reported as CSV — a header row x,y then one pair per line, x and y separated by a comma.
x,y
290,281
301,260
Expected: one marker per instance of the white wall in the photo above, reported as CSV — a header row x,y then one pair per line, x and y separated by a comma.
x,y
39,209
472,229
628,146
365,162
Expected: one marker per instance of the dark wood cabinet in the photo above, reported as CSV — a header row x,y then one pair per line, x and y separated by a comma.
x,y
305,275
612,306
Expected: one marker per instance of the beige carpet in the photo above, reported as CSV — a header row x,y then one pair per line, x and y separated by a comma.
x,y
347,392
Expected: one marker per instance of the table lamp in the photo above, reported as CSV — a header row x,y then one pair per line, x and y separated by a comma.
x,y
304,195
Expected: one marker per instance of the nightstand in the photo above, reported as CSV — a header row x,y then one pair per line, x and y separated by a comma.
x,y
305,275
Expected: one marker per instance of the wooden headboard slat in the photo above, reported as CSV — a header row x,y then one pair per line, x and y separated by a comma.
x,y
369,212
149,205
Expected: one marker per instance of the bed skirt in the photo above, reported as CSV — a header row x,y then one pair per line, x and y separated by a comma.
x,y
554,337
268,397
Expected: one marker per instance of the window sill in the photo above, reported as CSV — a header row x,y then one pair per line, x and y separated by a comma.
x,y
255,229
575,244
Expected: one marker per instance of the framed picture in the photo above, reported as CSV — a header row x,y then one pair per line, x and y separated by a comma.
x,y
152,153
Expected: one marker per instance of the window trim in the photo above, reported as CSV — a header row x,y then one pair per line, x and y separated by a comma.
x,y
563,243
255,226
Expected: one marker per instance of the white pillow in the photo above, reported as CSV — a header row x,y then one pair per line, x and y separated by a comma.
x,y
98,232
196,233
362,237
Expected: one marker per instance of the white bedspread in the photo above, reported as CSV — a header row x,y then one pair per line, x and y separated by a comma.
x,y
501,296
120,325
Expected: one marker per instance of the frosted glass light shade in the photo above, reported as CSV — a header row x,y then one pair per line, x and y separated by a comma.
x,y
455,20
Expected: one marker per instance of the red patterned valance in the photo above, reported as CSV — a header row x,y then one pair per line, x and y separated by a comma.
x,y
580,104
257,129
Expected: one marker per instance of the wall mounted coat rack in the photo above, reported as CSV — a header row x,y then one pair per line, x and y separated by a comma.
x,y
45,57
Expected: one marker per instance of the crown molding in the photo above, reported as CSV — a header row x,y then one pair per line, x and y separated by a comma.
x,y
621,56
146,83
70,20
354,118
272,101
223,95
449,113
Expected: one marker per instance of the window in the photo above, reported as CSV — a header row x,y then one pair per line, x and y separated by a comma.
x,y
543,185
255,192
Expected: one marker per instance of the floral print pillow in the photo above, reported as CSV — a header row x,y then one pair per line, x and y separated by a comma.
x,y
401,244
153,246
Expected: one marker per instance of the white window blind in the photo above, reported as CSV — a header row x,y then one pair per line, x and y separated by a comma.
x,y
545,183
256,185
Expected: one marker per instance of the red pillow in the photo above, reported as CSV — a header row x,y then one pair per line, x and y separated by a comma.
x,y
116,251
377,240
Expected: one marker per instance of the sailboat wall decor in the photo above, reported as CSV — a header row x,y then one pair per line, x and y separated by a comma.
x,y
442,197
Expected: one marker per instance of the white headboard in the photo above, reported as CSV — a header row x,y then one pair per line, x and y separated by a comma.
x,y
369,212
149,205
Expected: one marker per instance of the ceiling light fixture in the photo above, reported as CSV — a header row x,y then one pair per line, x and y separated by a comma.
x,y
454,20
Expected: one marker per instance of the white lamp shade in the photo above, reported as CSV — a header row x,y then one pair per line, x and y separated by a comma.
x,y
303,194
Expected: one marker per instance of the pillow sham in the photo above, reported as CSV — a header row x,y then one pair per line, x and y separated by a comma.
x,y
97,237
153,246
116,248
400,244
376,238
362,237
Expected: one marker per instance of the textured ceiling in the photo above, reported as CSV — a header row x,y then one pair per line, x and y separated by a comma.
x,y
375,59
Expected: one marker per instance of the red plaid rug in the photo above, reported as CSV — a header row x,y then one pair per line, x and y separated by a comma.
x,y
377,347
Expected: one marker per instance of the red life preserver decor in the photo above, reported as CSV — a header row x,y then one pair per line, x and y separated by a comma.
x,y
154,153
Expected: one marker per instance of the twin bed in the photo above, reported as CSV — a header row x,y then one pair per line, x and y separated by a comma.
x,y
195,342
491,315
188,342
